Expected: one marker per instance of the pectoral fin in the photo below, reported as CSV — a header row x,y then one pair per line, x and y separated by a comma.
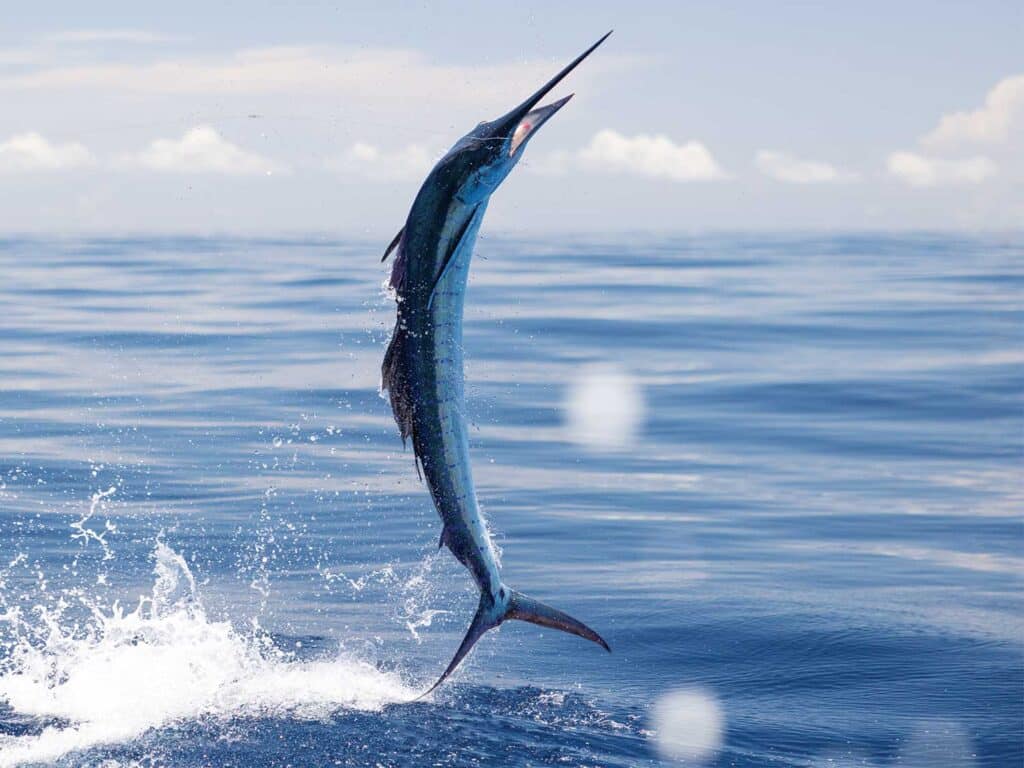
x,y
450,256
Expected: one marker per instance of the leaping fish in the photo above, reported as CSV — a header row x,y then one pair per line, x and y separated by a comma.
x,y
422,370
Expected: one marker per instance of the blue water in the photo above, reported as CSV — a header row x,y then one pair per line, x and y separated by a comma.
x,y
816,531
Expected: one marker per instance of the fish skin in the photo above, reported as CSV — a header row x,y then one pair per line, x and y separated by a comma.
x,y
423,366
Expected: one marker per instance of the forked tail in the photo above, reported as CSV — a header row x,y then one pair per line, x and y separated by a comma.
x,y
520,607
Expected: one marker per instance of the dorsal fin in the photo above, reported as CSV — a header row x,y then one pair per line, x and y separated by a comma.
x,y
394,244
395,381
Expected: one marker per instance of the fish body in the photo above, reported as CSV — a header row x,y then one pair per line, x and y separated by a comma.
x,y
423,366
439,430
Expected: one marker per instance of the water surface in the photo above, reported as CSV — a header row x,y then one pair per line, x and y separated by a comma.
x,y
816,530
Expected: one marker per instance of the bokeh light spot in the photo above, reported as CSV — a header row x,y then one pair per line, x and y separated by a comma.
x,y
689,724
604,409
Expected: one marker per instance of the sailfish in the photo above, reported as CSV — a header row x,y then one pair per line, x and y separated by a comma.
x,y
422,371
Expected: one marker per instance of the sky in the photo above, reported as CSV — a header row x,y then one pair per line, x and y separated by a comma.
x,y
262,118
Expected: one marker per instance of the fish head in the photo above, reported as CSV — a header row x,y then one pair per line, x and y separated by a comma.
x,y
481,159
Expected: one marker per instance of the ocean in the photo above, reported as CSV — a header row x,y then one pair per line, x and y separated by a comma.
x,y
780,474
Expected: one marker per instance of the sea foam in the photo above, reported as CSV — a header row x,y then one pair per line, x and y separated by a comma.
x,y
164,662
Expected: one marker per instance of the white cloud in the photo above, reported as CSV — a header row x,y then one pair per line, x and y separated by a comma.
x,y
391,79
652,156
556,163
370,162
200,150
997,124
106,36
924,171
783,167
32,152
992,123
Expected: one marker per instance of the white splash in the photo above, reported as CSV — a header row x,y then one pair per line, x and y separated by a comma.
x,y
689,724
425,619
604,409
162,662
944,743
86,534
937,742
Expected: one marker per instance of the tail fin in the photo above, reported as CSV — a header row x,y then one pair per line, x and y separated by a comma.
x,y
522,608
481,623
526,608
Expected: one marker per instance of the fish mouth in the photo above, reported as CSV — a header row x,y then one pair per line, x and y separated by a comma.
x,y
523,121
533,120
